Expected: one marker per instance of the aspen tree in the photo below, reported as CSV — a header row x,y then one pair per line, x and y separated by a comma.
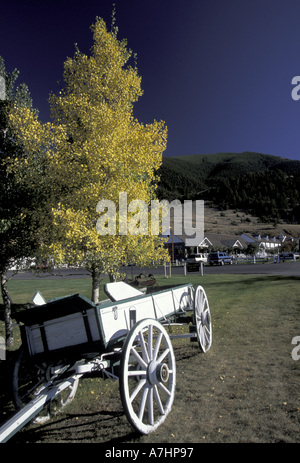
x,y
94,149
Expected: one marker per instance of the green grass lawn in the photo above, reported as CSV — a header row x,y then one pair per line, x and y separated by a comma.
x,y
219,286
245,389
222,290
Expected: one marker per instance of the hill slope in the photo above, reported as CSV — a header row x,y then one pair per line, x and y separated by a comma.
x,y
264,185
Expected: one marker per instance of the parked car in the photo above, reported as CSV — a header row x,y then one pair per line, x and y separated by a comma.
x,y
219,258
194,260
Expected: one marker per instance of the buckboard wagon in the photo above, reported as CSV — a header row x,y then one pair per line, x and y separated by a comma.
x,y
123,338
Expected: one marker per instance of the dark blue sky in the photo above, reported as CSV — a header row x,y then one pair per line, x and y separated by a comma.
x,y
218,72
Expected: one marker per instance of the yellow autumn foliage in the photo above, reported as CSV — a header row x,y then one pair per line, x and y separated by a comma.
x,y
93,150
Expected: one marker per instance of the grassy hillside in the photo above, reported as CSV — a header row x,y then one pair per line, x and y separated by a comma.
x,y
264,185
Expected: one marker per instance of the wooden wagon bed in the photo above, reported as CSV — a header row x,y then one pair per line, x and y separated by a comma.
x,y
75,323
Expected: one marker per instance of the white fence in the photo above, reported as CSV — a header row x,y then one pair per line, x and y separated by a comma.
x,y
237,260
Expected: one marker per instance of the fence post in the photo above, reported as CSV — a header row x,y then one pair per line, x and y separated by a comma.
x,y
170,274
2,349
201,268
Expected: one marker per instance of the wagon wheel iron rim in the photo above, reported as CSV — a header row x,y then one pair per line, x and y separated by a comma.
x,y
202,319
148,376
29,378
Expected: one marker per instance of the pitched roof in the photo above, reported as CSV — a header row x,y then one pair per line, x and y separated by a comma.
x,y
219,240
229,241
175,239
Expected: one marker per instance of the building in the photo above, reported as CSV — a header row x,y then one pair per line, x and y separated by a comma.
x,y
220,242
230,243
265,243
175,246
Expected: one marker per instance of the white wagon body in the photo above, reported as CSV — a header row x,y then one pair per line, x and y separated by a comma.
x,y
118,318
76,322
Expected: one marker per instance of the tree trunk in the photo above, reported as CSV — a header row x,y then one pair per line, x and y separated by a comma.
x,y
95,285
7,311
112,277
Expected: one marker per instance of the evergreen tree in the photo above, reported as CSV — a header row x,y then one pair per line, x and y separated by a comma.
x,y
16,199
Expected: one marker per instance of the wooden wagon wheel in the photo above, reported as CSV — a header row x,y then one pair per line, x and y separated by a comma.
x,y
29,377
202,319
147,376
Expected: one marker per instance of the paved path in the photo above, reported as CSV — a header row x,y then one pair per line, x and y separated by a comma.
x,y
283,268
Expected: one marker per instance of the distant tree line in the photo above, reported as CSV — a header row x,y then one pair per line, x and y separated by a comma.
x,y
180,181
268,193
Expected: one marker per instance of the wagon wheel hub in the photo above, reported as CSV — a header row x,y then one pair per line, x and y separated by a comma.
x,y
157,372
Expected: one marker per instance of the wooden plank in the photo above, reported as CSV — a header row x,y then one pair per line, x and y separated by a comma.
x,y
119,291
55,309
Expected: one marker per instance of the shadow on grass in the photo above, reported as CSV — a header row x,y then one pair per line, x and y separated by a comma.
x,y
77,428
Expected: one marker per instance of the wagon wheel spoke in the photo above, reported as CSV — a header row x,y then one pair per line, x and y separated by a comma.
x,y
137,356
29,378
135,392
163,356
157,346
145,354
202,319
150,406
143,402
157,399
148,376
150,339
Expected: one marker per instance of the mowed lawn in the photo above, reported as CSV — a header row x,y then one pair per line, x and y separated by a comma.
x,y
245,389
